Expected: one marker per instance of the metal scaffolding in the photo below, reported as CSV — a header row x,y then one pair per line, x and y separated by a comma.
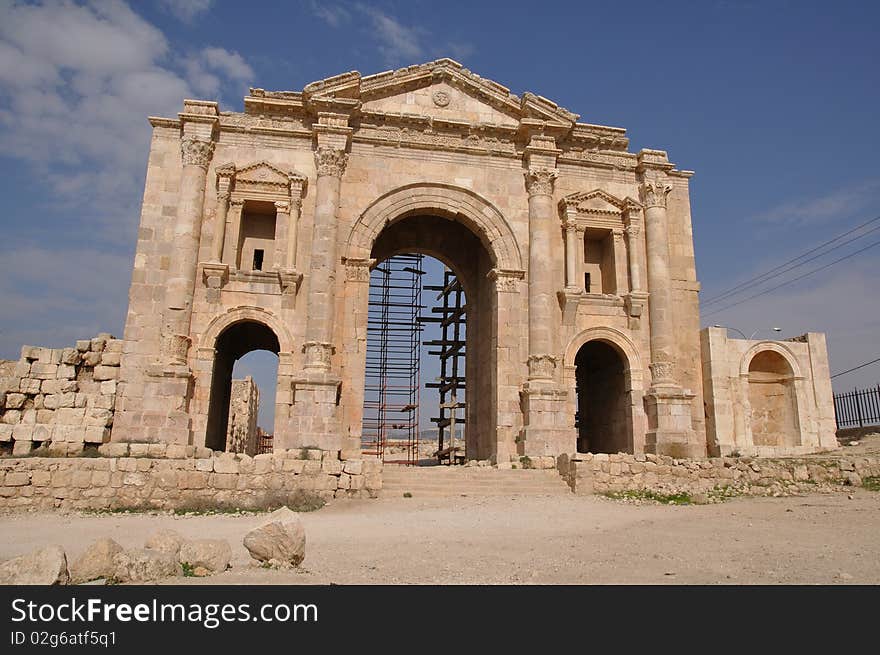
x,y
451,351
391,385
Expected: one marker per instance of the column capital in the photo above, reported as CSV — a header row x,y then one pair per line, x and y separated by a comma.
x,y
617,234
236,202
357,270
298,185
506,280
196,152
223,196
539,181
330,161
654,190
282,206
542,367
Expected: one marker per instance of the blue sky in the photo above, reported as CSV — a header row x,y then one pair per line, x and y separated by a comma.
x,y
772,103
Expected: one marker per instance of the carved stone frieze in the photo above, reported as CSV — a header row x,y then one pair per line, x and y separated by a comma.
x,y
542,367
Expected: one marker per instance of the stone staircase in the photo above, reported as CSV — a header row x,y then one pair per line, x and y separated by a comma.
x,y
438,481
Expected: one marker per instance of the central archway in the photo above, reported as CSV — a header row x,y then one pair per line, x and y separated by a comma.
x,y
454,245
603,421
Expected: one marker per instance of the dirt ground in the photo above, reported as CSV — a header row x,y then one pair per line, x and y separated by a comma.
x,y
816,539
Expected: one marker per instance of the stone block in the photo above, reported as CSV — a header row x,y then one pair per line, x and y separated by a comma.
x,y
66,372
70,357
91,359
5,432
40,478
15,400
354,467
175,451
23,432
21,448
110,359
206,465
98,344
43,371
331,466
225,463
96,434
30,386
83,345
114,449
102,373
17,478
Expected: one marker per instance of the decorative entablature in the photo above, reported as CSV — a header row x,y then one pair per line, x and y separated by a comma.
x,y
260,181
595,209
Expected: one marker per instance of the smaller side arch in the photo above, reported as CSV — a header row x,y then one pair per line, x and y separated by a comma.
x,y
235,315
773,346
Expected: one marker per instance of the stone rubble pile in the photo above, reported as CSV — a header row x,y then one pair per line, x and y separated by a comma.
x,y
279,541
60,398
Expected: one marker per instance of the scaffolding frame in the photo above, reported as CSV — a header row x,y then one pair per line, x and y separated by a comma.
x,y
450,349
393,358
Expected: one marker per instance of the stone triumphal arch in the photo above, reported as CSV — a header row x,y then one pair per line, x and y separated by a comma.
x,y
259,230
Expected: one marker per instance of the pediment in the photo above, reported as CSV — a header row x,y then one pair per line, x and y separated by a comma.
x,y
262,173
593,202
441,89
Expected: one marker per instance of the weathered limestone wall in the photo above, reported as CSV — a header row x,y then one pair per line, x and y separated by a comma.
x,y
60,398
602,473
767,398
156,476
244,404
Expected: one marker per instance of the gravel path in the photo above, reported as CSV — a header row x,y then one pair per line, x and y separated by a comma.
x,y
822,538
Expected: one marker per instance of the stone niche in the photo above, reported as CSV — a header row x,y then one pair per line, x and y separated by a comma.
x,y
767,398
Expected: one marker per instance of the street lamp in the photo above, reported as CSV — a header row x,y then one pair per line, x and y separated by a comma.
x,y
748,338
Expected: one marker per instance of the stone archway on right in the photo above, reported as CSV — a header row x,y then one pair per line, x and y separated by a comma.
x,y
773,407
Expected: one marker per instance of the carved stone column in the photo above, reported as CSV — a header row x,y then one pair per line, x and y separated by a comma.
x,y
543,398
572,284
230,253
318,347
220,234
290,276
668,406
282,227
196,156
315,418
654,190
621,286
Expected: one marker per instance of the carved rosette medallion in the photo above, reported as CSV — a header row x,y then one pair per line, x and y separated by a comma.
x,y
662,372
654,192
440,98
540,181
318,354
542,367
196,152
330,161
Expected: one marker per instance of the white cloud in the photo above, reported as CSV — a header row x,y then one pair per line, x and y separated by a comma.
x,y
186,10
836,204
77,82
213,68
333,15
396,41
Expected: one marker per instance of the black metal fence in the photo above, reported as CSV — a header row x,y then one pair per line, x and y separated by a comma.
x,y
857,408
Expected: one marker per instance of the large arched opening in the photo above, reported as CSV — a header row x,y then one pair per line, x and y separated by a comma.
x,y
466,257
230,424
603,419
773,414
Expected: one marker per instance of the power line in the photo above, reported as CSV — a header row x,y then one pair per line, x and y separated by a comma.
x,y
799,277
773,271
856,368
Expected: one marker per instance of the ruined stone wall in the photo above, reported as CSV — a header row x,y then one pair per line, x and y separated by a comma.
x,y
244,404
156,476
603,473
60,398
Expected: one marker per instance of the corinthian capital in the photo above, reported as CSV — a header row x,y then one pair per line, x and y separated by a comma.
x,y
654,192
330,161
196,152
539,181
